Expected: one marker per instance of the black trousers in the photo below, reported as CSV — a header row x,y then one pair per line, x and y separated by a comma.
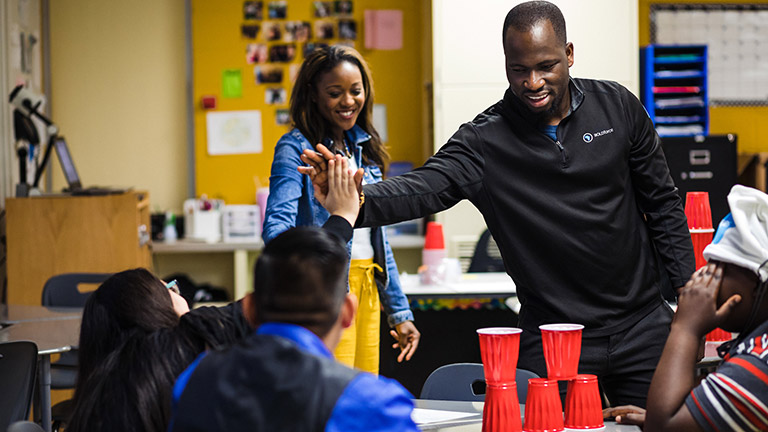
x,y
623,362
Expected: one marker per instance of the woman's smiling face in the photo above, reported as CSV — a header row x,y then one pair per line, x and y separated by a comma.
x,y
340,96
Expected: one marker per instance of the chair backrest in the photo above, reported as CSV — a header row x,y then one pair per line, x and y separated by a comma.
x,y
487,257
61,290
466,382
455,382
25,426
18,367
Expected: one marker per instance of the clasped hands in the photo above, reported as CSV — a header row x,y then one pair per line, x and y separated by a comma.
x,y
318,171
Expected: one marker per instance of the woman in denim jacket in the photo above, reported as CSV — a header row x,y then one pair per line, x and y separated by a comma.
x,y
332,103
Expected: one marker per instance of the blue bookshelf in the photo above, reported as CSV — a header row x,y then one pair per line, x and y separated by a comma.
x,y
673,81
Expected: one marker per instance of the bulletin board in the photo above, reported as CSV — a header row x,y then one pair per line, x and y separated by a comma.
x,y
245,55
736,36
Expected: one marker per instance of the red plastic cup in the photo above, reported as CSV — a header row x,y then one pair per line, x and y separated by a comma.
x,y
701,238
433,239
499,349
562,349
697,210
501,412
543,409
583,407
719,335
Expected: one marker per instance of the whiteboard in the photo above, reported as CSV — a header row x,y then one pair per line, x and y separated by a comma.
x,y
737,43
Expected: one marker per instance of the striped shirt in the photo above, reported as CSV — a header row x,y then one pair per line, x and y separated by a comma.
x,y
735,397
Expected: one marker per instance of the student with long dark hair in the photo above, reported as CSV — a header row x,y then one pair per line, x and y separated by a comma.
x,y
136,336
332,104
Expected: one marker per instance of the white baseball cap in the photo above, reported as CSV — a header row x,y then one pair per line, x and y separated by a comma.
x,y
742,236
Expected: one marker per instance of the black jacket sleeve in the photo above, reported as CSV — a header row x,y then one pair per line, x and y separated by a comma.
x,y
452,174
214,327
339,226
658,197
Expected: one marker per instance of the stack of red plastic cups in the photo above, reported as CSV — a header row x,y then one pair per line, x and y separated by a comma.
x,y
432,271
499,349
699,215
583,409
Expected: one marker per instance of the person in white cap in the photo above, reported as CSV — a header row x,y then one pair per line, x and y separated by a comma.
x,y
729,292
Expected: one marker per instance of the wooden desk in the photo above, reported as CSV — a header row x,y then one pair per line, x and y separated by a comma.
x,y
50,235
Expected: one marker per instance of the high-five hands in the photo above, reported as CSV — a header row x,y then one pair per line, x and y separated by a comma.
x,y
318,170
342,198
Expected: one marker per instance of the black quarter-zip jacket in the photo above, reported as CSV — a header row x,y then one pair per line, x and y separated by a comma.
x,y
576,220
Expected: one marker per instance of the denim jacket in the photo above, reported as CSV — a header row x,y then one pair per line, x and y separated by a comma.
x,y
292,203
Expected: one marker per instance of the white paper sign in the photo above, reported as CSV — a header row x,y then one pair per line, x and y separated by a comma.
x,y
233,132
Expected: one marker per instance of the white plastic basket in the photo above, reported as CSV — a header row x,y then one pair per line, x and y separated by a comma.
x,y
202,219
241,223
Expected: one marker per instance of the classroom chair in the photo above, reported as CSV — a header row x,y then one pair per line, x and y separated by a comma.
x,y
466,382
62,291
486,257
18,369
25,426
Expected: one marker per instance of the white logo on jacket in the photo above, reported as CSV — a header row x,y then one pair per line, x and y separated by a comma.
x,y
589,137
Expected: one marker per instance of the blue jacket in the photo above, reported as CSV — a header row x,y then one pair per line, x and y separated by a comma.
x,y
279,371
292,203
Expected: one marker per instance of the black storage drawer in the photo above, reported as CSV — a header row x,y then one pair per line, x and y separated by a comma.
x,y
704,164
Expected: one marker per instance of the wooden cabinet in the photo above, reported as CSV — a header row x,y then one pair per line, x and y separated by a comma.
x,y
60,234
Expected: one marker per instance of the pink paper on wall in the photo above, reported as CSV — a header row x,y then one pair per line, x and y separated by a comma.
x,y
384,29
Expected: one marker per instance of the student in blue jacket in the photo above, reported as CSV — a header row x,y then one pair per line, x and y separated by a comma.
x,y
283,377
332,103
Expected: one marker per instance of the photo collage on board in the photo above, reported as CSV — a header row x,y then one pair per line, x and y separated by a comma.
x,y
276,45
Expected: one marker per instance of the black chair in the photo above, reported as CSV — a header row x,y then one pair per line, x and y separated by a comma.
x,y
25,426
62,291
466,382
18,369
487,257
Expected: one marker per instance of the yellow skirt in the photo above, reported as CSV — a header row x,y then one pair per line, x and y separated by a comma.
x,y
359,345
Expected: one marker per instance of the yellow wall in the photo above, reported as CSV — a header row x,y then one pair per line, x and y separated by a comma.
x,y
118,93
398,75
748,123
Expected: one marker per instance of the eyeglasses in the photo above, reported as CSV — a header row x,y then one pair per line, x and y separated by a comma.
x,y
173,286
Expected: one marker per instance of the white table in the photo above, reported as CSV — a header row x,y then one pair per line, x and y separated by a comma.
x,y
477,285
474,422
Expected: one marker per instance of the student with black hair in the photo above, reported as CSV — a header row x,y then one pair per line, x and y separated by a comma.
x,y
283,377
729,293
136,336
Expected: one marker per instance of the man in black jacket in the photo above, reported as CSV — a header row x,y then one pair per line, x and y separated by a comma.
x,y
572,182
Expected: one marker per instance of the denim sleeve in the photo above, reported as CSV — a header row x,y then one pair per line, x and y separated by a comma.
x,y
395,303
285,189
374,405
